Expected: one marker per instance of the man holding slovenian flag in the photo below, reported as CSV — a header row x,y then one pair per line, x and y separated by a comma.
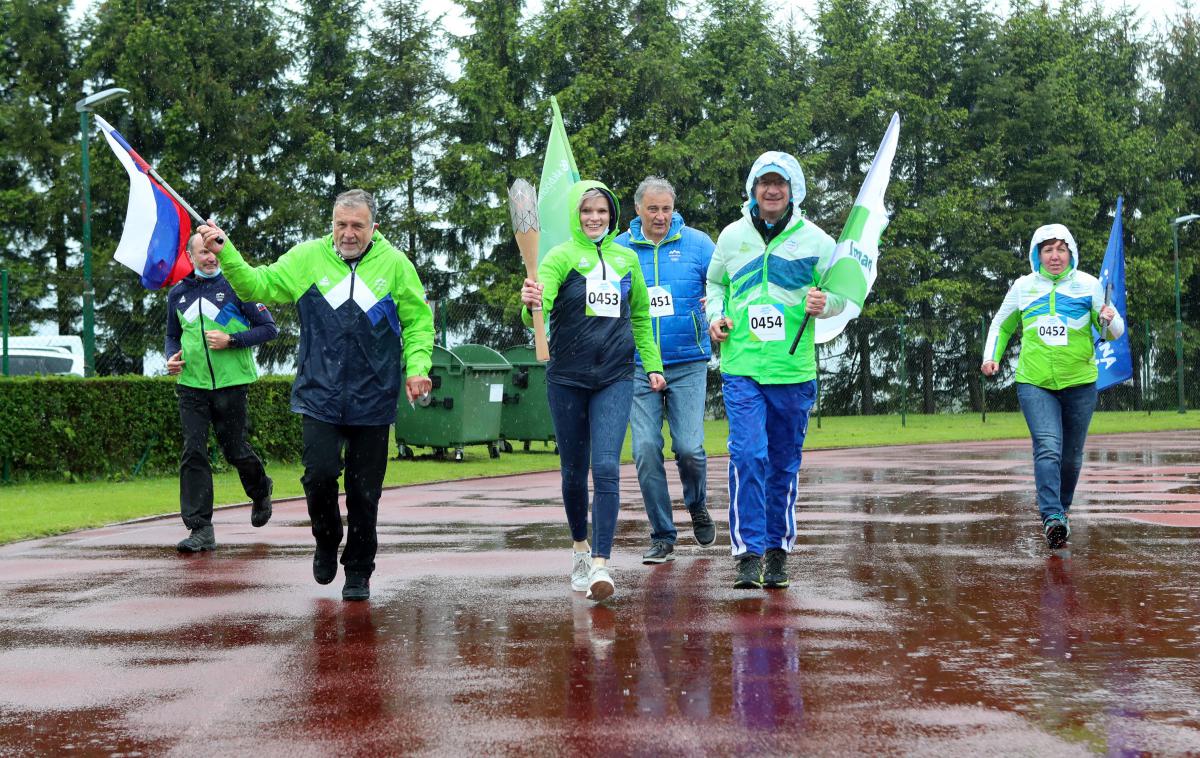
x,y
157,221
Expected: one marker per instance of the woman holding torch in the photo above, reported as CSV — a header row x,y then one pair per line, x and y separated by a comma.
x,y
593,294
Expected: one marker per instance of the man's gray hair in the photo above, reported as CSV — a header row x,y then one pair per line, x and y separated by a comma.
x,y
356,198
195,242
652,184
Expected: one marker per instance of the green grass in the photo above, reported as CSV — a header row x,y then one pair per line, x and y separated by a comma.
x,y
35,509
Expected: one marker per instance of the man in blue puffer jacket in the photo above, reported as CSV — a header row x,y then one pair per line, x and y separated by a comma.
x,y
674,261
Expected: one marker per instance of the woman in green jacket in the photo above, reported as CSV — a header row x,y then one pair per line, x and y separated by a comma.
x,y
1055,307
597,308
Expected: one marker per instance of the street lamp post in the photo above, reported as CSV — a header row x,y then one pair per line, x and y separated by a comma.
x,y
84,107
1182,220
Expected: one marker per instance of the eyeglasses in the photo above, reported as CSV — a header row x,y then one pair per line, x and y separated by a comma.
x,y
773,182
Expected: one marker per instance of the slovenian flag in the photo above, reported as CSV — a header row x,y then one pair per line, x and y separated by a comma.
x,y
157,227
1114,362
559,173
853,266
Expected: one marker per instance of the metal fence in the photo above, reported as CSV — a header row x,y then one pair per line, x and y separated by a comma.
x,y
878,366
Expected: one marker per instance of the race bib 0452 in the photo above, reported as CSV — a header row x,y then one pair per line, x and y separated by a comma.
x,y
1052,330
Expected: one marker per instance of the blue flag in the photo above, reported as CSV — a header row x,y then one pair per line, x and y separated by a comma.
x,y
1112,358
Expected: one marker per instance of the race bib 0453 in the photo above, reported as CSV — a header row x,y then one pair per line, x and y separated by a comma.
x,y
603,299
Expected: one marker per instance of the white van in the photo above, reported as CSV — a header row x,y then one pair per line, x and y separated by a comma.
x,y
56,354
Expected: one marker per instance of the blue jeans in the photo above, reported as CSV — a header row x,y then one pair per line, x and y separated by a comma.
x,y
684,403
1058,423
589,425
767,425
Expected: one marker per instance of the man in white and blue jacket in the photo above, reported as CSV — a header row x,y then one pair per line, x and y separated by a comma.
x,y
674,260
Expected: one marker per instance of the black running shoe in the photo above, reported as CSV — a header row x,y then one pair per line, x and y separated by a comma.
x,y
260,512
201,539
775,574
660,551
703,527
1057,530
749,573
325,564
358,587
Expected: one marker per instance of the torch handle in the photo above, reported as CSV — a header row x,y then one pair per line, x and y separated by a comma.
x,y
528,244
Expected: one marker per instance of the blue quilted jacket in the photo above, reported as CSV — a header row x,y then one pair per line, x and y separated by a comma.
x,y
679,263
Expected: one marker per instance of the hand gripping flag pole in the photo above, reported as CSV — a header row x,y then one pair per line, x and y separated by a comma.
x,y
523,206
852,267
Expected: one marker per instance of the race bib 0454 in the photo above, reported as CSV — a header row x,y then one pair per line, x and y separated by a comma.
x,y
767,322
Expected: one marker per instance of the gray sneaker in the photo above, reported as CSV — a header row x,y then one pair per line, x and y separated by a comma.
x,y
201,539
660,551
581,566
600,584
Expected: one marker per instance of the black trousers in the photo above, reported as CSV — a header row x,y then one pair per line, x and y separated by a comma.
x,y
366,449
225,411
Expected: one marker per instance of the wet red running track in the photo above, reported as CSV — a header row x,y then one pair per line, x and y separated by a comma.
x,y
925,617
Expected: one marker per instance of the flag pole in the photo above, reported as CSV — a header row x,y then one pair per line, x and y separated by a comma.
x,y
163,182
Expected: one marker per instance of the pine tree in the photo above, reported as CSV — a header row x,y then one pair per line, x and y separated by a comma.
x,y
205,107
39,164
490,135
405,78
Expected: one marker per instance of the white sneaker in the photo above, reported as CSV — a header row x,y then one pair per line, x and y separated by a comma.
x,y
581,567
600,584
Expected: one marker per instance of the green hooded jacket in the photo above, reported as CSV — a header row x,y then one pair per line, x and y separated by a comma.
x,y
595,303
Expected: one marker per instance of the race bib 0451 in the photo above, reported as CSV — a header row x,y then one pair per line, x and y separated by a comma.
x,y
661,302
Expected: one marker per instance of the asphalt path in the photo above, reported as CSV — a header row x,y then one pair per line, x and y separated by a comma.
x,y
926,616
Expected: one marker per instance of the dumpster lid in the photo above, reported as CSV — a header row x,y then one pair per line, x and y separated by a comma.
x,y
445,358
521,355
481,357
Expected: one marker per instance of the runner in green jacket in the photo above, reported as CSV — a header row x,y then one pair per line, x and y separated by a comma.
x,y
596,304
357,296
1054,307
210,333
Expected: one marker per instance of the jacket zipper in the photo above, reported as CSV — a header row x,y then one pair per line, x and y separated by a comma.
x,y
353,266
212,375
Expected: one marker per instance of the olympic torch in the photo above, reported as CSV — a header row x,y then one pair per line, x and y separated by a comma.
x,y
522,204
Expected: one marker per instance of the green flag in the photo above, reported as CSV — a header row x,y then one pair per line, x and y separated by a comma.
x,y
558,174
853,267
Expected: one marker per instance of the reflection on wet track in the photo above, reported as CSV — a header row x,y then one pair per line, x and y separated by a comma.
x,y
925,616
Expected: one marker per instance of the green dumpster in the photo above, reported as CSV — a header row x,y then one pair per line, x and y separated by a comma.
x,y
462,409
526,414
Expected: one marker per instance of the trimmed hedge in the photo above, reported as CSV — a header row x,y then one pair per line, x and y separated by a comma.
x,y
74,428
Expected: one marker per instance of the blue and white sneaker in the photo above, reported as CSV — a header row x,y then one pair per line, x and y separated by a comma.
x,y
1057,530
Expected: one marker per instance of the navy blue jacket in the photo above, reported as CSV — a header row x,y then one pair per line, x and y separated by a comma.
x,y
197,305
